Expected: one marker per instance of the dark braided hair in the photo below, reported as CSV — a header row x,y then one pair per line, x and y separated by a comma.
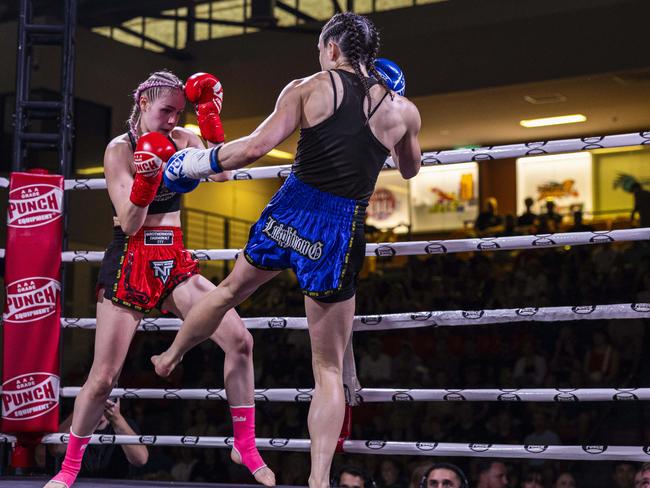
x,y
358,40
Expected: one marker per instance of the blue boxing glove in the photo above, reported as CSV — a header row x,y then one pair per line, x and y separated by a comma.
x,y
187,167
174,174
392,75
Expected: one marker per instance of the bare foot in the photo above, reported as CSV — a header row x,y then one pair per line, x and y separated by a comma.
x,y
263,475
164,364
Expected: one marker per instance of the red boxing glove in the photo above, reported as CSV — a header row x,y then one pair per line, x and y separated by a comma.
x,y
206,93
152,150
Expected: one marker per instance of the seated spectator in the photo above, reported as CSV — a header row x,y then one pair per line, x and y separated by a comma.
x,y
418,473
530,368
533,479
527,218
601,360
553,219
352,477
623,475
542,225
390,475
578,225
541,435
509,227
565,356
488,218
642,477
565,480
183,468
108,460
374,365
492,474
444,475
208,467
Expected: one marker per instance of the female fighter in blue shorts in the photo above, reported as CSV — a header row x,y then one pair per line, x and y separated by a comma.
x,y
349,123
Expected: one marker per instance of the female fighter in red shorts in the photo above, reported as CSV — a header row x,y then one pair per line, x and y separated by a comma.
x,y
146,265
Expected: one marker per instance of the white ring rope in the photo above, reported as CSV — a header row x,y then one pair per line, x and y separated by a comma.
x,y
419,319
584,453
388,395
434,157
415,248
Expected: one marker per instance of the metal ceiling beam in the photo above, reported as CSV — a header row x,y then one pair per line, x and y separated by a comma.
x,y
102,13
234,23
295,12
169,51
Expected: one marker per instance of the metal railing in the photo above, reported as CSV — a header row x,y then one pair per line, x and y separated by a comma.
x,y
208,230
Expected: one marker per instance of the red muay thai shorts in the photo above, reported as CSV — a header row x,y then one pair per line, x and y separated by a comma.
x,y
141,270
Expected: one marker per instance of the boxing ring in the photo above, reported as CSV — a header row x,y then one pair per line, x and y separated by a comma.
x,y
17,482
414,319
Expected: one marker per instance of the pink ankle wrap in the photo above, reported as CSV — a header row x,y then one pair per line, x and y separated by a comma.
x,y
243,424
72,462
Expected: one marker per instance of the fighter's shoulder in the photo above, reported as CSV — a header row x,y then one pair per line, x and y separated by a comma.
x,y
406,108
119,146
310,83
183,138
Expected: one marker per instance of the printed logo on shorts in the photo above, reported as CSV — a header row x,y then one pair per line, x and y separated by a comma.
x,y
288,238
158,237
34,205
29,396
162,269
31,299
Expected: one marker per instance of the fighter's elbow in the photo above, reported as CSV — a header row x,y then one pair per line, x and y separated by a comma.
x,y
129,228
141,460
410,170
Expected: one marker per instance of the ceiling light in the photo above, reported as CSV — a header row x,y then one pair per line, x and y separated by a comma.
x,y
544,99
558,120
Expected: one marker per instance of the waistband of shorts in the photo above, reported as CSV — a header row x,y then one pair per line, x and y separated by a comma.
x,y
307,197
177,232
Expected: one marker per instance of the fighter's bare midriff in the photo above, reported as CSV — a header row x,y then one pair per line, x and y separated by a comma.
x,y
169,219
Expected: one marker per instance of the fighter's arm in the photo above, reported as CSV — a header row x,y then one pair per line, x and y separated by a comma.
x,y
185,138
119,180
284,120
137,455
407,153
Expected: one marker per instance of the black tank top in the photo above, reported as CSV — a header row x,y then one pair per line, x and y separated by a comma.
x,y
165,200
341,155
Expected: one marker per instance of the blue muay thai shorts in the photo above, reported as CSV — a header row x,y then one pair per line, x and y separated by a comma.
x,y
317,234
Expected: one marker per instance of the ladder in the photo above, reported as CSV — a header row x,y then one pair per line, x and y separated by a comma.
x,y
29,110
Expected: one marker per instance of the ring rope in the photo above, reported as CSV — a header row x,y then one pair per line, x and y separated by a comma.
x,y
434,157
447,449
448,246
388,395
412,320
